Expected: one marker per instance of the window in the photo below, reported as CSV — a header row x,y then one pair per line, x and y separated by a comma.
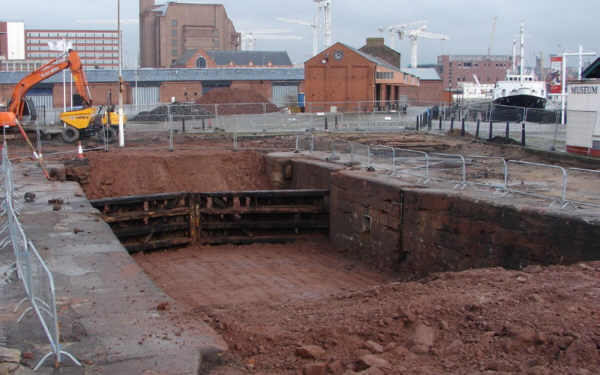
x,y
174,32
384,75
174,52
200,62
174,23
174,43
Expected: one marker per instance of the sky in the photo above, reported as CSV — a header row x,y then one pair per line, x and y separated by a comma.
x,y
550,25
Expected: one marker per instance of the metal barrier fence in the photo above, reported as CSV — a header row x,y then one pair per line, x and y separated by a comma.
x,y
553,183
31,269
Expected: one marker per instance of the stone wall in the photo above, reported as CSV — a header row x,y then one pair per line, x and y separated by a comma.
x,y
415,230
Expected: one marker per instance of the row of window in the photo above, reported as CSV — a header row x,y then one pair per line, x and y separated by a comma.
x,y
99,49
72,35
488,64
384,75
45,55
76,41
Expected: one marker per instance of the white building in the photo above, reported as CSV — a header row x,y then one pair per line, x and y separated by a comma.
x,y
583,113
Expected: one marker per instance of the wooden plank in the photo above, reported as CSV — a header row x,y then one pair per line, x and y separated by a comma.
x,y
147,229
267,193
213,225
239,240
100,203
156,245
264,210
137,215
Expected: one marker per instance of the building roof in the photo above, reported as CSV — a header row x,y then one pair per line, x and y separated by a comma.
x,y
174,75
373,59
241,58
244,57
425,74
592,71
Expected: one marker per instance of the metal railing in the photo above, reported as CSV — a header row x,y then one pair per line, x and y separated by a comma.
x,y
31,269
496,173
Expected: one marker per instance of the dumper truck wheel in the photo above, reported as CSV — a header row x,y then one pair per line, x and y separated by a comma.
x,y
70,134
108,134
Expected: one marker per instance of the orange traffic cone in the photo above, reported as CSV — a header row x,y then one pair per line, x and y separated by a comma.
x,y
79,151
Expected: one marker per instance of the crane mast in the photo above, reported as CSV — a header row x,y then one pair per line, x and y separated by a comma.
x,y
325,6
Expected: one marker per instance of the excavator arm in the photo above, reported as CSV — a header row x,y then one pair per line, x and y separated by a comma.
x,y
17,101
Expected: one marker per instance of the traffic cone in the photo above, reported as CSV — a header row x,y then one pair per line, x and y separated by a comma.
x,y
79,151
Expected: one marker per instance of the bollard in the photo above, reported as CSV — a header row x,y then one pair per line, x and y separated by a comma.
x,y
183,125
491,131
203,126
477,128
462,128
523,134
336,122
440,126
417,123
171,139
451,125
325,123
507,130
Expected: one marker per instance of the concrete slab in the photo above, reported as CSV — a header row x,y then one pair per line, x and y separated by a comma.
x,y
107,305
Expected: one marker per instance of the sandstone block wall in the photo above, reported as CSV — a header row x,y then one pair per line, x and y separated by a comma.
x,y
415,230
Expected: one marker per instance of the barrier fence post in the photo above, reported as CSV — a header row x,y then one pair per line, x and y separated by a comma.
x,y
462,128
477,128
451,125
506,137
523,134
417,123
440,126
183,125
325,122
491,130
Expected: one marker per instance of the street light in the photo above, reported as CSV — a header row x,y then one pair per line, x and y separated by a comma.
x,y
121,130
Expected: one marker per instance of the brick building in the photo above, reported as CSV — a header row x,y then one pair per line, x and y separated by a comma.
x,y
200,58
153,86
489,69
430,88
167,31
96,48
341,76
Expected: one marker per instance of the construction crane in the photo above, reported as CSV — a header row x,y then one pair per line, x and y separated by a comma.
x,y
325,6
492,36
314,25
249,37
414,35
395,29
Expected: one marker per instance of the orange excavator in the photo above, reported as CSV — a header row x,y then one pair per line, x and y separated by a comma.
x,y
85,122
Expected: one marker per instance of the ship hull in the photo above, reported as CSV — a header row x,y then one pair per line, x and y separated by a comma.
x,y
526,101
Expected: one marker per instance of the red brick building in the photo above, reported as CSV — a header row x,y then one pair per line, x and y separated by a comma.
x,y
345,77
489,69
201,58
168,30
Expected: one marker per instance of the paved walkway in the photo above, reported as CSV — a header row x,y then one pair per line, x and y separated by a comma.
x,y
107,305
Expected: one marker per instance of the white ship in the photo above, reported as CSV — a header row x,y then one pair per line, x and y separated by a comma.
x,y
520,88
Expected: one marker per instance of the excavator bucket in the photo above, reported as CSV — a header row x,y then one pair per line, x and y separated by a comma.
x,y
79,119
8,119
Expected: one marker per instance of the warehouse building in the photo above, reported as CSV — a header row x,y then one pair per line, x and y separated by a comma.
x,y
147,87
201,58
349,79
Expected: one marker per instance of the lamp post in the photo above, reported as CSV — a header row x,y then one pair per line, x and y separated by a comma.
x,y
121,135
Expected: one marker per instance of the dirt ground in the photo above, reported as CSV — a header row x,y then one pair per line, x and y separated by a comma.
x,y
296,308
303,309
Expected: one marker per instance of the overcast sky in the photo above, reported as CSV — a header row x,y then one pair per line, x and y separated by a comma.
x,y
550,25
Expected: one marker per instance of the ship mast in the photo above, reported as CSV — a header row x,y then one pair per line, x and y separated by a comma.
x,y
522,51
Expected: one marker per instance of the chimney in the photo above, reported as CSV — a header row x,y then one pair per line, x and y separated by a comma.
x,y
375,42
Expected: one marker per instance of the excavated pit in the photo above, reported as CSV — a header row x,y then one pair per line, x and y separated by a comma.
x,y
337,292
